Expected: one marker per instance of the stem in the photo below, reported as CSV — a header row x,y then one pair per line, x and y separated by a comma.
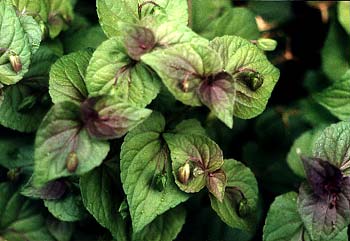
x,y
189,3
139,10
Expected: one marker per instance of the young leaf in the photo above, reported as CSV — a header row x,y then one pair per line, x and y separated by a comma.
x,y
173,220
302,146
69,208
291,228
15,41
109,118
67,78
20,218
216,184
238,208
60,14
333,144
93,187
182,67
195,156
145,155
63,147
254,76
324,204
336,98
36,8
217,92
111,71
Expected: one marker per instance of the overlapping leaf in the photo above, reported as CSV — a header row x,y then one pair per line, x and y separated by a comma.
x,y
146,156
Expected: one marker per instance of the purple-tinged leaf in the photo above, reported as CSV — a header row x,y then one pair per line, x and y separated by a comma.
x,y
216,184
324,204
109,118
324,178
52,190
138,40
60,134
200,155
218,94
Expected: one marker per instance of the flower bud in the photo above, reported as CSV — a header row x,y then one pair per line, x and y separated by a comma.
x,y
184,173
72,161
266,44
15,62
243,208
160,181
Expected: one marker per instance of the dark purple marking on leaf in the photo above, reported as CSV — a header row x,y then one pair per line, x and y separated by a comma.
x,y
53,190
138,41
324,178
216,184
109,126
326,199
214,89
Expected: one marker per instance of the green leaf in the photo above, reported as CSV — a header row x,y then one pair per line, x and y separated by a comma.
x,y
190,127
12,113
20,218
99,187
333,145
344,15
111,12
60,13
181,68
336,98
111,71
205,11
145,155
63,147
33,31
62,231
336,52
202,155
237,21
165,227
36,8
90,37
41,63
69,208
302,146
67,78
247,64
239,206
14,40
16,152
283,221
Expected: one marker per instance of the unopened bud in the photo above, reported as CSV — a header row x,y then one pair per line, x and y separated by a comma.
x,y
160,181
15,63
243,208
266,44
184,173
72,161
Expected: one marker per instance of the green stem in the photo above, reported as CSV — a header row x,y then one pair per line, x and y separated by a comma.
x,y
189,3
